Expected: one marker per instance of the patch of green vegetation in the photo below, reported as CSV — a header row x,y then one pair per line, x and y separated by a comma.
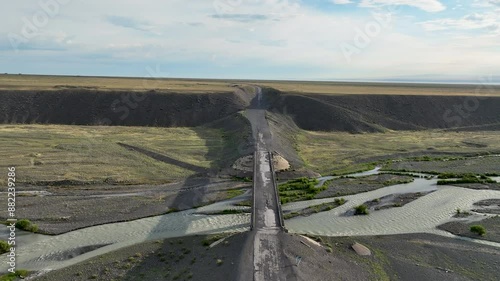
x,y
427,158
378,265
409,171
26,225
243,179
234,192
4,247
459,212
315,238
361,210
396,182
246,203
478,229
340,201
353,169
299,190
449,175
465,178
291,215
21,273
465,175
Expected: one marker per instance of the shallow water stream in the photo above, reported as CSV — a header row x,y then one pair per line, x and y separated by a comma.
x,y
37,252
40,252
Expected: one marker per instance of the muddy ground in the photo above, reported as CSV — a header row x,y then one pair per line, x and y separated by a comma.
x,y
65,208
462,228
393,201
348,186
398,257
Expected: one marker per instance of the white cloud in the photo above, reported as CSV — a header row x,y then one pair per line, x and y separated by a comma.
x,y
490,22
426,5
295,38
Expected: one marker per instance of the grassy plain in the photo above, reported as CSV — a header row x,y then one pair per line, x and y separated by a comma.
x,y
370,88
40,82
338,152
91,154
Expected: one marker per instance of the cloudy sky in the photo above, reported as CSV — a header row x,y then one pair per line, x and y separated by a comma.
x,y
254,39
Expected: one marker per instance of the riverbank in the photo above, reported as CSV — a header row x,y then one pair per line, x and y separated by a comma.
x,y
192,258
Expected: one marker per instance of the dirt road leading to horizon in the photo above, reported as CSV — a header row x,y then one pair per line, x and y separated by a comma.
x,y
268,260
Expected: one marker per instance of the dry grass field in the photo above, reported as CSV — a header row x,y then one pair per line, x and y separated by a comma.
x,y
91,154
327,152
39,82
344,88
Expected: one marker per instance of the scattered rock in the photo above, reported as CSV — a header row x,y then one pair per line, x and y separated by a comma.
x,y
244,164
361,249
280,163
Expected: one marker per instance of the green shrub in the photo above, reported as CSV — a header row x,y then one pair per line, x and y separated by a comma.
x,y
299,189
361,210
340,201
21,273
291,215
27,225
4,247
234,193
478,229
464,178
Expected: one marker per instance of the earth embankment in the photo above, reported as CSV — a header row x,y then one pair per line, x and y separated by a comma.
x,y
122,108
376,113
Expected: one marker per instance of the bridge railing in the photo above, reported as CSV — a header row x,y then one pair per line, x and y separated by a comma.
x,y
275,186
252,222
